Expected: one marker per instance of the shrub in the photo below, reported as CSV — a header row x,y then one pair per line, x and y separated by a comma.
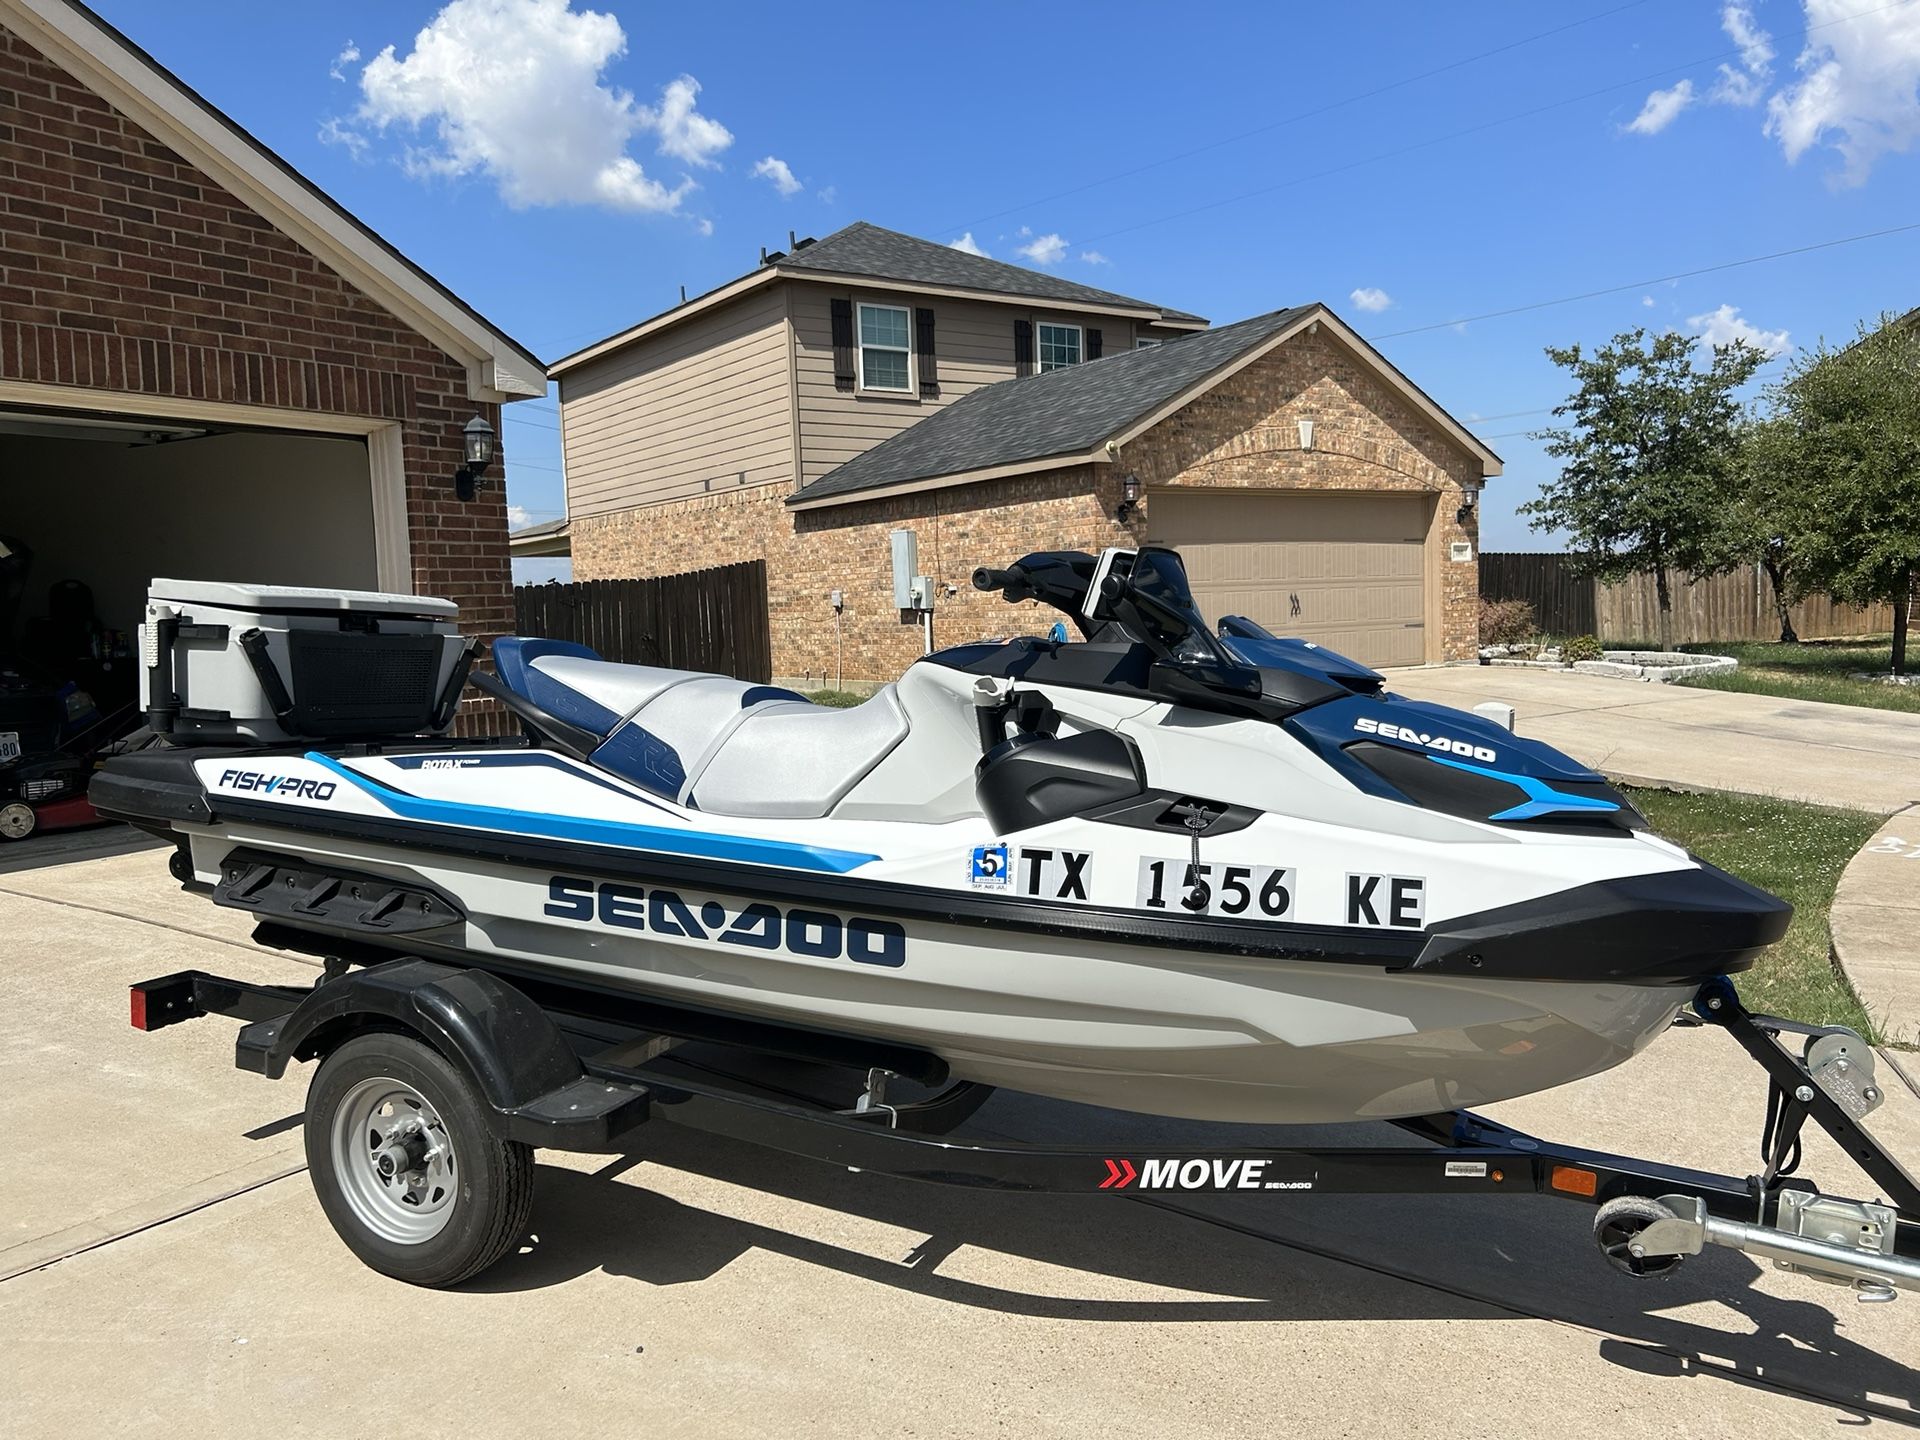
x,y
1582,647
1506,622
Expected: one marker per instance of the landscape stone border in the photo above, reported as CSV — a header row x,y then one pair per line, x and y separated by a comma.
x,y
1658,666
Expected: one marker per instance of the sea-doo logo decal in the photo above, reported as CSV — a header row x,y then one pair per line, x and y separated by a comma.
x,y
290,786
1403,898
1054,874
1211,1173
989,867
1253,892
817,934
1450,746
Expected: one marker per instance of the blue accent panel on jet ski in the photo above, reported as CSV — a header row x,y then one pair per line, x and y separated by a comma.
x,y
743,849
761,694
513,658
1430,730
1542,798
1272,652
639,755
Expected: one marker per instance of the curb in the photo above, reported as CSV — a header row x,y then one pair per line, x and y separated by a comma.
x,y
1875,915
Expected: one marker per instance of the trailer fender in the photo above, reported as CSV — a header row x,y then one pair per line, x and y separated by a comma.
x,y
529,1078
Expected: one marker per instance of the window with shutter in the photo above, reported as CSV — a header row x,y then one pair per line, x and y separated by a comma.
x,y
1060,346
1093,344
883,351
1023,347
842,344
923,352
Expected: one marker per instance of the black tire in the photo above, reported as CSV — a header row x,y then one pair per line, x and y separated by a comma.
x,y
493,1190
180,866
1618,1223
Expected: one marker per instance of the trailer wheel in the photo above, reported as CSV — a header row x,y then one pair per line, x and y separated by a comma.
x,y
405,1165
17,821
1617,1227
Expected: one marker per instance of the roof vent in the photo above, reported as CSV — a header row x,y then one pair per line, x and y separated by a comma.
x,y
769,257
803,242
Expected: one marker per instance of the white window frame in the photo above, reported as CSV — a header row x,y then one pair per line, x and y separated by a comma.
x,y
912,387
1147,342
1039,346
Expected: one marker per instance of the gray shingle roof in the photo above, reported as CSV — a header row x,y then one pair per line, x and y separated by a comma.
x,y
863,249
1061,412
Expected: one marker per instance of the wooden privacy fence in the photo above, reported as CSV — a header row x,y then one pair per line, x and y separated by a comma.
x,y
703,620
1735,606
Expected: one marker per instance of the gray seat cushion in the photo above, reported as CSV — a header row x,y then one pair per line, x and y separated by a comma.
x,y
666,741
797,760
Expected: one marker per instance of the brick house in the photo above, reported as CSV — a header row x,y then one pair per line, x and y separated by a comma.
x,y
208,369
1307,482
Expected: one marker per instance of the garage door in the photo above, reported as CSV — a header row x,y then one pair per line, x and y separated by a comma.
x,y
1345,571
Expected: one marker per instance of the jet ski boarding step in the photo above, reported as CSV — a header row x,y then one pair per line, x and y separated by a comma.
x,y
564,1072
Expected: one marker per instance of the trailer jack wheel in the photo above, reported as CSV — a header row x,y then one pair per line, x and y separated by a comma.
x,y
1617,1228
405,1165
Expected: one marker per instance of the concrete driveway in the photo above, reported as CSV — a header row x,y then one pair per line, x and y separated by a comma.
x,y
167,1271
1699,739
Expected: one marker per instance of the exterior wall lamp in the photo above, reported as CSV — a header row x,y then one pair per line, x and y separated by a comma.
x,y
1129,498
476,443
1469,499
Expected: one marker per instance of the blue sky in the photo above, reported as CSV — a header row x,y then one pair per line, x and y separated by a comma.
x,y
567,169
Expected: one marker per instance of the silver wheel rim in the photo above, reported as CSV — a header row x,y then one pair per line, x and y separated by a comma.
x,y
16,821
394,1161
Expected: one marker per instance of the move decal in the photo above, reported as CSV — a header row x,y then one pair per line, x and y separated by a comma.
x,y
1214,1172
814,934
1388,901
1250,892
287,786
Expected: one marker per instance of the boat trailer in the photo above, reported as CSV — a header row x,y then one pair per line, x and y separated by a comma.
x,y
540,1062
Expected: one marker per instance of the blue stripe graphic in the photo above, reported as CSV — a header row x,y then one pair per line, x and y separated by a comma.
x,y
1542,798
586,831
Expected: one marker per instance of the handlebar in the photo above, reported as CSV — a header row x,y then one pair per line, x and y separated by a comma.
x,y
1013,582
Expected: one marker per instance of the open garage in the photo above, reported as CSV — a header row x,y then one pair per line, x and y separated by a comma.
x,y
208,371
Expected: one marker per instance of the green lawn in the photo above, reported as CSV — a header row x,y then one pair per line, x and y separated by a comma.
x,y
1795,851
1817,670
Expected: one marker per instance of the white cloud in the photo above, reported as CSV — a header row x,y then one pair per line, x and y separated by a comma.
x,y
1647,300
1859,86
780,174
703,226
684,132
334,132
1094,257
967,244
518,518
1043,249
1661,109
1371,299
514,90
347,56
1725,325
1745,85
828,195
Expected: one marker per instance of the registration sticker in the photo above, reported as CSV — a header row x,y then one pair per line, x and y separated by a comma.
x,y
1466,1169
988,868
9,745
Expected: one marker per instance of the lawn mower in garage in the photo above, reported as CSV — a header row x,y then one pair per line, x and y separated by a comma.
x,y
1195,873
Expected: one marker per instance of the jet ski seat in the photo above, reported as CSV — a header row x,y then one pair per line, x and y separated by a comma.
x,y
707,741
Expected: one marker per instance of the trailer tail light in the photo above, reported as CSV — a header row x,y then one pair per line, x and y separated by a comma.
x,y
138,1005
1574,1181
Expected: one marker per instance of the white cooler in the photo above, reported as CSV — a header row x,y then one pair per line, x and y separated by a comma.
x,y
265,664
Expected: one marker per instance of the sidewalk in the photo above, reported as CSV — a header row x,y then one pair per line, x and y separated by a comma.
x,y
1876,922
1844,755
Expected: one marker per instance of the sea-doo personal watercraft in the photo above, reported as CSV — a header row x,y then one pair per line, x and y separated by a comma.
x,y
1166,868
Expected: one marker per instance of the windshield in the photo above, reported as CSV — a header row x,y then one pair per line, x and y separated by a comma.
x,y
1160,578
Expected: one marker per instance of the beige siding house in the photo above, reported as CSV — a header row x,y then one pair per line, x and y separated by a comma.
x,y
872,382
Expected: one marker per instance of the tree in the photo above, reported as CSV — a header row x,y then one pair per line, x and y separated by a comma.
x,y
1855,417
1768,513
1646,457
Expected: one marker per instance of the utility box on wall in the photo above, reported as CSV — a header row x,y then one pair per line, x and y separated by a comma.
x,y
906,564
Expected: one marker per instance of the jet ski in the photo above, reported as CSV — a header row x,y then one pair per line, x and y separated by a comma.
x,y
1162,866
